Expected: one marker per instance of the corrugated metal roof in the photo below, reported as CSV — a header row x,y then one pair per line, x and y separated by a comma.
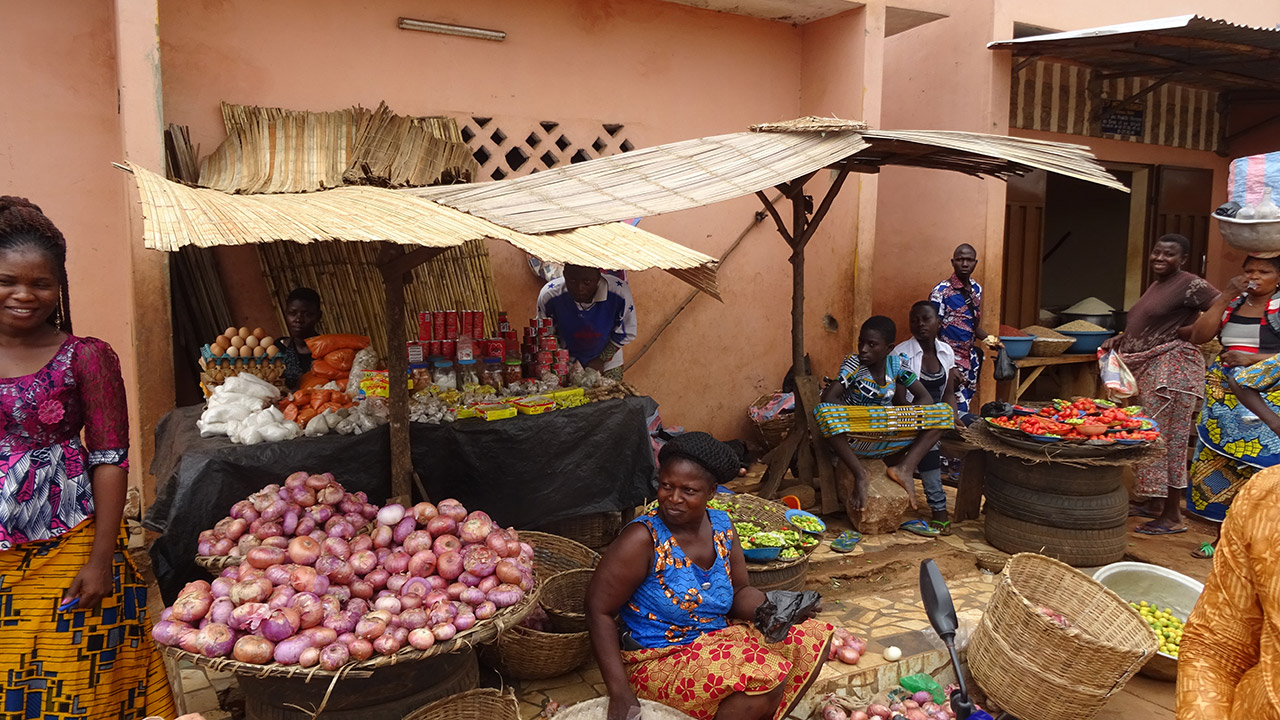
x,y
698,172
176,215
1189,49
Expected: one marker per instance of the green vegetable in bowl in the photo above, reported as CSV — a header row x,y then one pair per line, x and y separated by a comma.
x,y
807,523
789,553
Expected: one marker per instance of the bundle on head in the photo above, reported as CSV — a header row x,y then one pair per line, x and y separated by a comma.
x,y
24,226
700,448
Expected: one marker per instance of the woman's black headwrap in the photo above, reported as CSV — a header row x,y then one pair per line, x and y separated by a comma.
x,y
712,455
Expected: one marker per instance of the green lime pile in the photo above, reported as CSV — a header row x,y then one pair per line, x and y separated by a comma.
x,y
1167,625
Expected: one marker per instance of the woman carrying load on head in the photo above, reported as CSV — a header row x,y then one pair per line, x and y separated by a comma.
x,y
1235,442
677,579
874,377
1170,372
75,641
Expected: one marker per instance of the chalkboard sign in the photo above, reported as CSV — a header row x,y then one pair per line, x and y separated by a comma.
x,y
1128,120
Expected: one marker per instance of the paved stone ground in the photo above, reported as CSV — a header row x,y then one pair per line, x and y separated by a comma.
x,y
872,592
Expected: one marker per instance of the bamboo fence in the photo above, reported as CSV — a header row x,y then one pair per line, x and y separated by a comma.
x,y
347,278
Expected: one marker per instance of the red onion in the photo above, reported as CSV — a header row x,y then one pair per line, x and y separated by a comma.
x,y
192,605
350,503
253,649
417,541
223,547
416,586
848,655
391,514
422,563
361,542
356,519
320,635
497,542
309,607
464,621
204,547
275,510
336,547
373,625
449,565
249,616
342,622
378,578
442,525
435,596
505,595
310,657
278,574
305,498
167,632
280,624
305,579
475,528
329,495
441,612
165,613
452,508
423,512
339,527
507,571
289,523
472,596
220,610
382,536
396,562
304,550
215,640
489,583
330,604
247,543
526,580
446,543
319,514
264,557
382,554
403,529
281,597
421,638
237,528
369,511
363,562
387,644
187,639
220,587
455,590
410,601
485,610
390,603
444,631
361,589
413,618
397,581
289,651
245,571
480,561
360,649
307,526
297,479
334,656
341,592
276,541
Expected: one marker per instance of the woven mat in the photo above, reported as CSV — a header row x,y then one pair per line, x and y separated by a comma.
x,y
982,438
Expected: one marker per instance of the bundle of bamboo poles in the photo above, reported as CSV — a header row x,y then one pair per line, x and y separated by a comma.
x,y
347,278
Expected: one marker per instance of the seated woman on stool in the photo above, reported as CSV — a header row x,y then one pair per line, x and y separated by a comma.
x,y
877,378
678,579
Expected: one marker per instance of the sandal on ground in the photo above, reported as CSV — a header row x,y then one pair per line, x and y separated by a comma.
x,y
1140,511
1205,551
1153,529
919,527
942,526
847,541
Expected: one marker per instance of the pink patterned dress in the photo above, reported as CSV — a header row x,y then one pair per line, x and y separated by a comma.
x,y
46,468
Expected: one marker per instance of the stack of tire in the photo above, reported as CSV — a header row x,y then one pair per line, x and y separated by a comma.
x,y
1073,514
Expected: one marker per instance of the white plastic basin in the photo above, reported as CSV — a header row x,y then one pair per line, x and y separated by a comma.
x,y
1135,582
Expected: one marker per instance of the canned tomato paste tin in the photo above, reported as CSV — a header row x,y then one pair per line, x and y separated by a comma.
x,y
437,325
546,357
425,329
548,343
435,347
449,348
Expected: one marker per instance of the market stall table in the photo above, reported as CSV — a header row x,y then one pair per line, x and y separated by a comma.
x,y
1078,374
524,471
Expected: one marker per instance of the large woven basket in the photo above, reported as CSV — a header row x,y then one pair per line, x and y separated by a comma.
x,y
523,653
595,531
773,431
483,704
564,597
778,574
553,554
1031,667
1050,347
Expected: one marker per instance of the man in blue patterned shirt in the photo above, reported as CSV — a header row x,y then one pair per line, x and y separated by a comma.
x,y
594,316
959,301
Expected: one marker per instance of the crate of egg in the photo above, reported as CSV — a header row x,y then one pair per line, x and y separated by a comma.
x,y
241,351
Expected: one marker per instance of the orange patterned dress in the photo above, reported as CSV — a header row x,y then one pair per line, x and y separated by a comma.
x,y
693,658
1229,662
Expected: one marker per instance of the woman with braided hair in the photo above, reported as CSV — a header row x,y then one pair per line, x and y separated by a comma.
x,y
677,578
72,605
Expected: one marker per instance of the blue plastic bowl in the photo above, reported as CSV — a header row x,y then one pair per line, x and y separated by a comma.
x,y
1017,347
762,554
1086,341
796,513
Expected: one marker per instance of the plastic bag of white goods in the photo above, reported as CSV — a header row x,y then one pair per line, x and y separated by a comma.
x,y
246,384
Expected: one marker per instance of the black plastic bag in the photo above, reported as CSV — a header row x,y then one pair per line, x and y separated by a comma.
x,y
1004,369
783,608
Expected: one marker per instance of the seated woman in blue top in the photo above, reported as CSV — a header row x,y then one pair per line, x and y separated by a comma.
x,y
677,578
874,376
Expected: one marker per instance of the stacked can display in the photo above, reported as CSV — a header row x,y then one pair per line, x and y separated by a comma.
x,y
541,351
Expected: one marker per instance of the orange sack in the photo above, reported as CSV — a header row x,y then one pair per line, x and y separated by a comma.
x,y
322,345
312,380
325,370
341,359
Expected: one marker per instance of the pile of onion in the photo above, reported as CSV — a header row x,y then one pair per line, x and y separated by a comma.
x,y
846,647
325,598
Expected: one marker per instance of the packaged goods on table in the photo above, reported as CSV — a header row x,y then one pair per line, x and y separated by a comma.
x,y
236,351
333,360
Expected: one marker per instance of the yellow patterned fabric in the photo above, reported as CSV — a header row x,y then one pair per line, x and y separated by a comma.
x,y
1229,661
80,664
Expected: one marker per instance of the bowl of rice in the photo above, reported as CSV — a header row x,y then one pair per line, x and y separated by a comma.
x,y
1046,342
1088,336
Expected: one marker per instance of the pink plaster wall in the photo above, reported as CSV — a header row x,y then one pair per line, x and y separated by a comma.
x,y
59,134
666,71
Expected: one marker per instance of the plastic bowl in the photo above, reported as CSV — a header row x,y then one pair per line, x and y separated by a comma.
x,y
762,554
1135,582
792,514
1017,346
1087,341
1250,236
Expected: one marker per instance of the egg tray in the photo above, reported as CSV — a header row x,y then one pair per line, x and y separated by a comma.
x,y
214,373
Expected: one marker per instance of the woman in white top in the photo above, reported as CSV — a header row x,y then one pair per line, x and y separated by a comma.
x,y
934,362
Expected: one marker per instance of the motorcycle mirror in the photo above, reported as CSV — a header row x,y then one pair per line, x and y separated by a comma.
x,y
937,601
